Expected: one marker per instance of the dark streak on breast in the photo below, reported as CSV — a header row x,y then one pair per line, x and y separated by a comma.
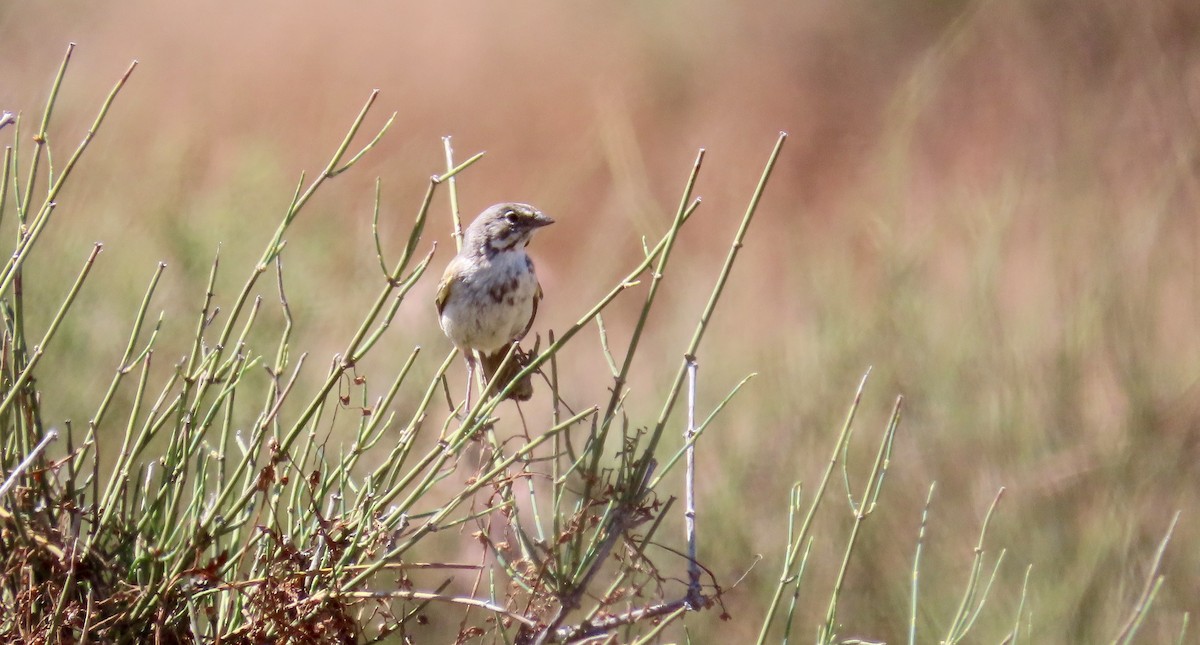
x,y
497,293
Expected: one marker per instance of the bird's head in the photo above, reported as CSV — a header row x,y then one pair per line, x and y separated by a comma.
x,y
504,227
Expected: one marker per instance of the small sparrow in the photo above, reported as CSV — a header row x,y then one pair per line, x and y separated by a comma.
x,y
489,293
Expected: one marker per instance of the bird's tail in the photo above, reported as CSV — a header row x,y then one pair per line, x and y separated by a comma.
x,y
490,363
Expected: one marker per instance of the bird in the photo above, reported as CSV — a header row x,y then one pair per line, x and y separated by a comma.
x,y
489,293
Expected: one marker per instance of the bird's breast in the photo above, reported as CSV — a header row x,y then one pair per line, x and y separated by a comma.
x,y
491,301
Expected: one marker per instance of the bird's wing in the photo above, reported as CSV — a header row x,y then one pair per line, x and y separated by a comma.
x,y
443,291
537,297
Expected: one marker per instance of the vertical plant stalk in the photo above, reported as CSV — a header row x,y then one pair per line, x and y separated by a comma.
x,y
1013,636
788,576
700,429
128,360
689,490
452,188
7,175
40,137
1149,590
39,350
965,616
916,568
38,223
598,442
713,299
861,512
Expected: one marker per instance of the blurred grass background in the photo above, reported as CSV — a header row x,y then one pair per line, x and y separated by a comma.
x,y
993,203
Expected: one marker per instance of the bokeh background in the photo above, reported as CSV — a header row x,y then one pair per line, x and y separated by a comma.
x,y
992,203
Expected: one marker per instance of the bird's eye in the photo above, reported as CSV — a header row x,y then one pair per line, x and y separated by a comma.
x,y
511,216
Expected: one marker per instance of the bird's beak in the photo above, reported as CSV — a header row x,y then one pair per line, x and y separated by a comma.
x,y
541,220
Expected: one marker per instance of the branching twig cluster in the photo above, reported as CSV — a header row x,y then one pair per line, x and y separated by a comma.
x,y
212,523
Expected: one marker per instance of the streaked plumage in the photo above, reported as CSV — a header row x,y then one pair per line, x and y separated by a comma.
x,y
489,293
